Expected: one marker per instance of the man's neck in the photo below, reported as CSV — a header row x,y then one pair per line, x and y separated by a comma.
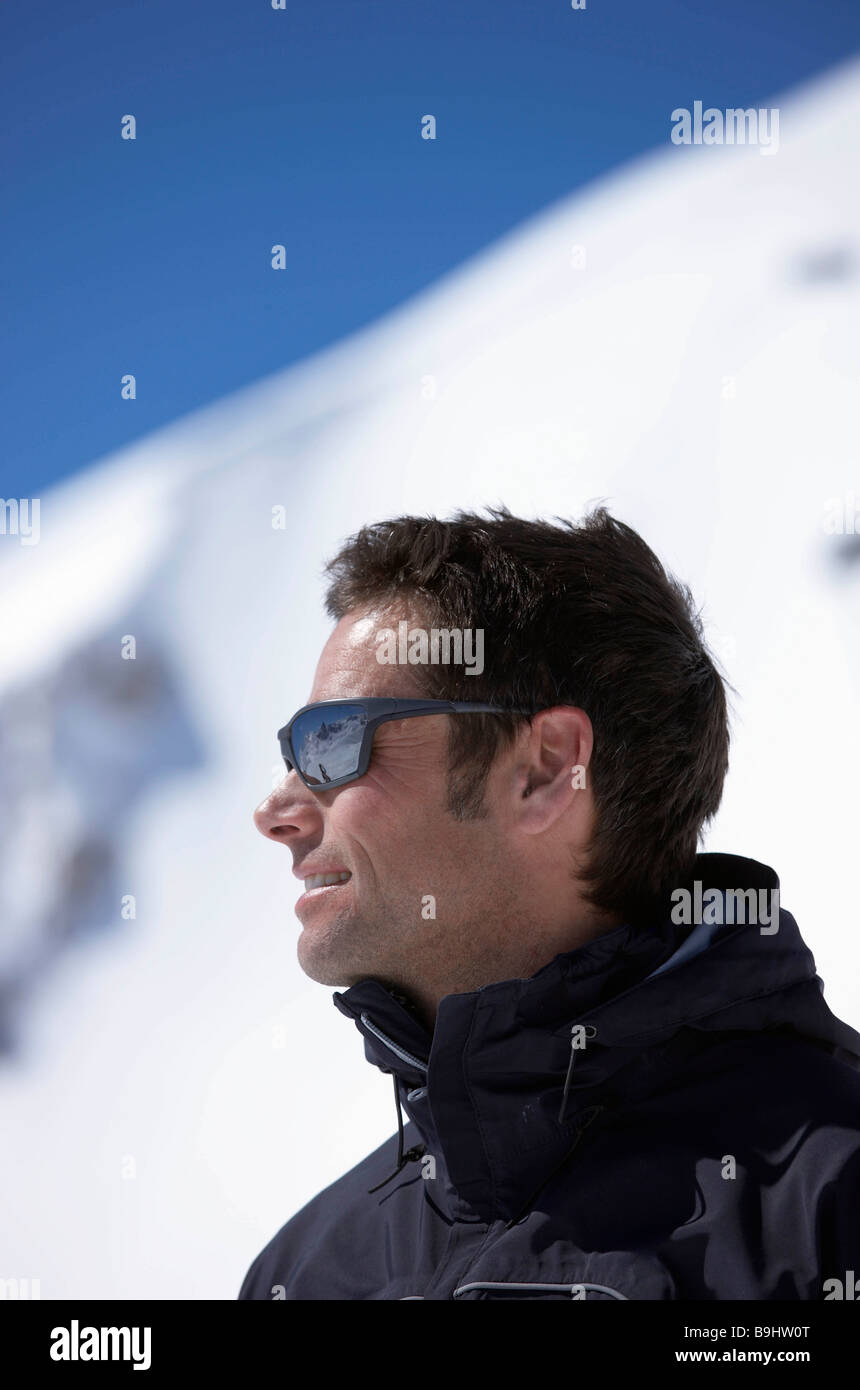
x,y
423,994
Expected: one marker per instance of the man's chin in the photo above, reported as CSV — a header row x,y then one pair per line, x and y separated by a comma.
x,y
327,961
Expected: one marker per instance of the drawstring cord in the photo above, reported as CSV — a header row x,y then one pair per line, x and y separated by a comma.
x,y
590,1032
416,1152
585,1120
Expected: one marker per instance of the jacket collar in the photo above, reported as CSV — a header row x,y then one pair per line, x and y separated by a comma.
x,y
485,1089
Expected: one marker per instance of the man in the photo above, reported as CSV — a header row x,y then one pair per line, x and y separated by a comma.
x,y
620,1076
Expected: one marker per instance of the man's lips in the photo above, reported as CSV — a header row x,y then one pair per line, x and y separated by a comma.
x,y
319,875
327,880
321,882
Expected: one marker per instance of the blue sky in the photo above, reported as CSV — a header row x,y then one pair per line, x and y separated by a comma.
x,y
302,127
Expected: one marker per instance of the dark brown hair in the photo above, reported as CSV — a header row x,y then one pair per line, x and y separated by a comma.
x,y
579,614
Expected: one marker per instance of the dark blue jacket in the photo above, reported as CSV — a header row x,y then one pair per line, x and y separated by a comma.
x,y
670,1113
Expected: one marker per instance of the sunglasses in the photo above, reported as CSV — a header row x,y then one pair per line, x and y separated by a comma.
x,y
329,743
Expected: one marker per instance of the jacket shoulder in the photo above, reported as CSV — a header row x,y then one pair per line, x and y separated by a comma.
x,y
323,1221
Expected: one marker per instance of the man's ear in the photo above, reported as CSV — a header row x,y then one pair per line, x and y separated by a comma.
x,y
553,769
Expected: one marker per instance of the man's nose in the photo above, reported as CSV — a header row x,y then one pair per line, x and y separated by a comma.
x,y
289,812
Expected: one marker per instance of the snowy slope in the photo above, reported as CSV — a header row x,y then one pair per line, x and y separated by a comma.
x,y
173,1085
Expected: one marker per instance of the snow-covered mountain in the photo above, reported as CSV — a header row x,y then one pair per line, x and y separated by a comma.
x,y
680,340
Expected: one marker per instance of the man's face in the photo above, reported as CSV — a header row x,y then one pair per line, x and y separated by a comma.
x,y
424,890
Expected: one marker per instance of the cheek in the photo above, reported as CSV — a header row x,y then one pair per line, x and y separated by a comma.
x,y
404,834
367,818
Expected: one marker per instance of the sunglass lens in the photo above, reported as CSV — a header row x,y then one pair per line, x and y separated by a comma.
x,y
327,742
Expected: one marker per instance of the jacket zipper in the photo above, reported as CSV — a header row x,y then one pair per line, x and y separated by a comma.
x,y
544,1288
392,1046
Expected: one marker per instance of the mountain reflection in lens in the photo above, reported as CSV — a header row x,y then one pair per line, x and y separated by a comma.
x,y
327,742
